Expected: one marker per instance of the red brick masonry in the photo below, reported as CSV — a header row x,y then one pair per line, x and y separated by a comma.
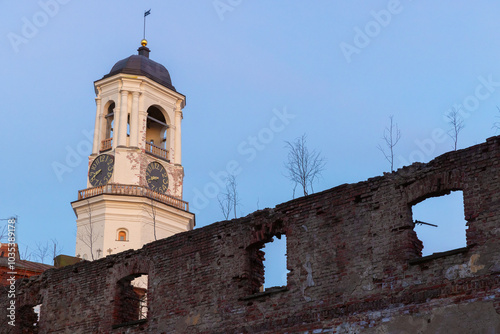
x,y
354,259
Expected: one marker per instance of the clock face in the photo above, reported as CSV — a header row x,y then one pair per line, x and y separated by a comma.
x,y
156,177
101,170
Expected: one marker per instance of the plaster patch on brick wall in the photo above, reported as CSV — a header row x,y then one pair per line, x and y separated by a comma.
x,y
367,280
183,323
307,265
464,270
193,320
474,268
458,271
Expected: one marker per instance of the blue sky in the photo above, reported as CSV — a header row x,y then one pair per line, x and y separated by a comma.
x,y
337,69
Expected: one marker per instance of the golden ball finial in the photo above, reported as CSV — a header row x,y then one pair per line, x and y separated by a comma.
x,y
144,42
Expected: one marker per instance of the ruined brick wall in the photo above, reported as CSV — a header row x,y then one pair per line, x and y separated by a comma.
x,y
354,260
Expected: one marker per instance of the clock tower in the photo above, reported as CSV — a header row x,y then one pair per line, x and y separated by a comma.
x,y
135,175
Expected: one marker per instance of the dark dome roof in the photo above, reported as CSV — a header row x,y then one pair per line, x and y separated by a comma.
x,y
142,65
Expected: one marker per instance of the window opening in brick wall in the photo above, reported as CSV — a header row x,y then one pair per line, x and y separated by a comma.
x,y
447,212
268,264
275,271
131,302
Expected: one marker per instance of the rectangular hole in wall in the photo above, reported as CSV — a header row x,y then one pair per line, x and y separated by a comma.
x,y
447,212
275,272
131,302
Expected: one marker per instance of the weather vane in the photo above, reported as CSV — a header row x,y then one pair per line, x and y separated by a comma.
x,y
146,13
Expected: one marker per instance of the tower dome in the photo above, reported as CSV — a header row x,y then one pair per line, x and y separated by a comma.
x,y
140,64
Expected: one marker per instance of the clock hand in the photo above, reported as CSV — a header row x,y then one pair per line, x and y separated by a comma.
x,y
95,174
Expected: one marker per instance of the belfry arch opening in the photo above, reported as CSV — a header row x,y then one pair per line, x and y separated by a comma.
x,y
110,116
109,120
440,223
156,133
156,128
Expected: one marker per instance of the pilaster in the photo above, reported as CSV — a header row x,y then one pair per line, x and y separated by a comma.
x,y
178,119
134,120
122,130
97,126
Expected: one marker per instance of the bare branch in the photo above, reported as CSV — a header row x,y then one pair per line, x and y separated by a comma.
x,y
41,251
56,248
233,192
26,255
225,204
230,199
391,137
152,214
303,166
89,236
457,124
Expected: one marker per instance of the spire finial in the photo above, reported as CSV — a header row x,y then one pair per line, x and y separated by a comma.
x,y
144,50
